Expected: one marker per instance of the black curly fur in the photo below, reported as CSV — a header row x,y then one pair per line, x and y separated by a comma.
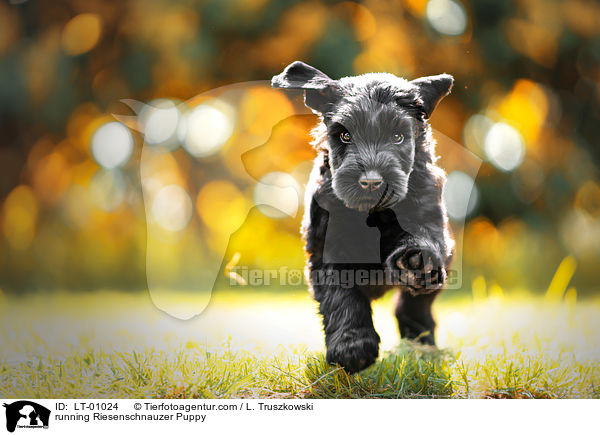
x,y
398,231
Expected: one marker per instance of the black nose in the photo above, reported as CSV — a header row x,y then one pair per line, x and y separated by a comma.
x,y
370,180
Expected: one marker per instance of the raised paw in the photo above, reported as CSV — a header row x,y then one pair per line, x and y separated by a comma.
x,y
354,349
422,269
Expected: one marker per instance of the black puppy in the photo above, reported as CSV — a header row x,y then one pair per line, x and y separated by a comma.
x,y
374,216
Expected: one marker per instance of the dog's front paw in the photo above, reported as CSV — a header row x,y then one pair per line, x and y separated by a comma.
x,y
421,268
354,349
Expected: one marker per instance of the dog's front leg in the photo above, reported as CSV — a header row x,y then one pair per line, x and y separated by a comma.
x,y
421,260
422,268
422,263
420,256
415,320
350,337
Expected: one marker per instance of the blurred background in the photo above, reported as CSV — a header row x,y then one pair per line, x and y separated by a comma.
x,y
76,209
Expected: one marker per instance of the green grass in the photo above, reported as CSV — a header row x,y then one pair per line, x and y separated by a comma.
x,y
250,344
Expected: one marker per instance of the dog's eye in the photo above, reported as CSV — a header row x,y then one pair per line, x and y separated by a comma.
x,y
345,137
398,138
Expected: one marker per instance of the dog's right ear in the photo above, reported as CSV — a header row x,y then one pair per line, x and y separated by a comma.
x,y
320,91
432,89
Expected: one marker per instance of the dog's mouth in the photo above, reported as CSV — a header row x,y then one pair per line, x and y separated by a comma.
x,y
386,200
389,198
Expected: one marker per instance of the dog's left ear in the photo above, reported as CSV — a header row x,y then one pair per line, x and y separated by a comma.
x,y
320,91
432,89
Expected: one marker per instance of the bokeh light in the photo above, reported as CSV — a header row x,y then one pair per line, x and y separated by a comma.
x,y
206,128
588,198
159,120
504,146
108,189
172,208
76,206
112,145
51,177
580,233
222,206
81,33
528,181
460,195
278,195
20,216
448,17
474,132
526,97
262,108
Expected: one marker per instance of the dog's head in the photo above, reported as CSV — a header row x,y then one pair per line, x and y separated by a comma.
x,y
376,128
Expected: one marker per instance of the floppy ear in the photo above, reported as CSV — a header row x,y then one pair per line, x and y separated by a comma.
x,y
432,89
320,91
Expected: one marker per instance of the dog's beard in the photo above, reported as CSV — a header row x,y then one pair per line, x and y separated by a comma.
x,y
346,187
354,197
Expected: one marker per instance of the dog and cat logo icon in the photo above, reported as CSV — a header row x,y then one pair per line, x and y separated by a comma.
x,y
26,414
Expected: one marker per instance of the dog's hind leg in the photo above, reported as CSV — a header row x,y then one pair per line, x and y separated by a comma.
x,y
350,337
415,321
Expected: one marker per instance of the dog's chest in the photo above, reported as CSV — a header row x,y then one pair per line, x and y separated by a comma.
x,y
350,240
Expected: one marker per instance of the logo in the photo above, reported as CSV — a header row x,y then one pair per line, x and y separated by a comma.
x,y
26,414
